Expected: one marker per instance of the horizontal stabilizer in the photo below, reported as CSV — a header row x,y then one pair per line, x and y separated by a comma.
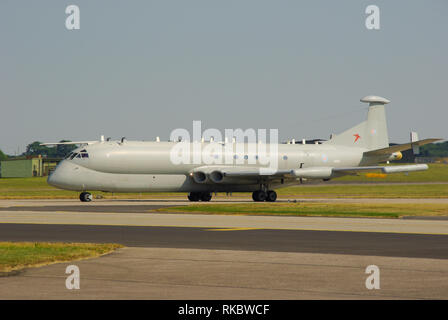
x,y
399,147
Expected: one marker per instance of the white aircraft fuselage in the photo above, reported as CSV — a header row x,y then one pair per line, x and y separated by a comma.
x,y
139,166
134,166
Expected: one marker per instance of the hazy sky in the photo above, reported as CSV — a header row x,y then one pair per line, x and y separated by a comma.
x,y
142,68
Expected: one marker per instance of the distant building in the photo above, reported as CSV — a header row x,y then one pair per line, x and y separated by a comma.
x,y
27,167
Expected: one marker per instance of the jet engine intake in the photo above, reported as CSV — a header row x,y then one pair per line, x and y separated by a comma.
x,y
216,176
199,177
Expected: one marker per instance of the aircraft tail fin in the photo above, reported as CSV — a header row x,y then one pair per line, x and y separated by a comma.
x,y
370,134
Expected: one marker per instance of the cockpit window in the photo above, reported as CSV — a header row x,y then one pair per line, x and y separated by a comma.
x,y
78,155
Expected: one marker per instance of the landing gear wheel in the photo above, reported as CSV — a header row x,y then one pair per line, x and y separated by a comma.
x,y
194,196
271,196
254,195
85,197
206,196
259,196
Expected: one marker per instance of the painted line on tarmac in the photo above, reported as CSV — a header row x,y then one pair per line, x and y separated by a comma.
x,y
234,229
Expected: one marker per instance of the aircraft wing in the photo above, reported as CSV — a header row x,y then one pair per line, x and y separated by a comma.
x,y
383,169
320,172
224,174
399,147
69,142
331,172
255,172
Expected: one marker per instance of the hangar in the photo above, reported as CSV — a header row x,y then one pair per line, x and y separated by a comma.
x,y
27,167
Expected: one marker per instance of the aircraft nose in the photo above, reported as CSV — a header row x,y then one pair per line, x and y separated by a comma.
x,y
60,177
54,179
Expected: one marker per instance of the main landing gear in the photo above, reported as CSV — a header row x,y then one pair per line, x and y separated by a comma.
x,y
200,196
85,197
261,195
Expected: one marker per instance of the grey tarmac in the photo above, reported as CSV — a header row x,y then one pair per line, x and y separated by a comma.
x,y
275,240
185,256
169,273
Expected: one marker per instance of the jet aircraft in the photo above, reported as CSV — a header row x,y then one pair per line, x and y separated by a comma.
x,y
147,166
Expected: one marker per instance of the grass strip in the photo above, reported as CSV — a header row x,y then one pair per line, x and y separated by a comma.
x,y
19,255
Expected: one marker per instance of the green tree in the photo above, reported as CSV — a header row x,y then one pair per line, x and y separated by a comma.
x,y
3,156
35,149
64,149
435,150
58,151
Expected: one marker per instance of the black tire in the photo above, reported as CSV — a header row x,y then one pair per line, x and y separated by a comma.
x,y
193,196
255,195
259,196
85,197
262,196
271,196
206,196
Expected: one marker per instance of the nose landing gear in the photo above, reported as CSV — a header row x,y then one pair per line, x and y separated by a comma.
x,y
85,197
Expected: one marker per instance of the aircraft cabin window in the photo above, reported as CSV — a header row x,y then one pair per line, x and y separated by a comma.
x,y
73,155
84,155
78,155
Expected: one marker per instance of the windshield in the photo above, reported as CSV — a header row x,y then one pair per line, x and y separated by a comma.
x,y
79,155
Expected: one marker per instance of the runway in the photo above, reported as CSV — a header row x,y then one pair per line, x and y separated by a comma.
x,y
189,256
133,223
141,213
334,242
